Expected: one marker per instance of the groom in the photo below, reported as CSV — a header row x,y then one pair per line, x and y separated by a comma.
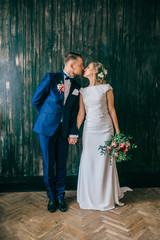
x,y
57,101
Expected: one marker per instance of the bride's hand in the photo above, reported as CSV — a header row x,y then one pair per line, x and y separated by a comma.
x,y
72,140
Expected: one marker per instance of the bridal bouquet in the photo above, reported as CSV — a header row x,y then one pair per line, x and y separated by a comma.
x,y
118,147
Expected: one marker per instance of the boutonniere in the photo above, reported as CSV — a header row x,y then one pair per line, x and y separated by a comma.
x,y
60,87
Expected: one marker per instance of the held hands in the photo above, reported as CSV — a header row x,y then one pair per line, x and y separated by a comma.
x,y
72,140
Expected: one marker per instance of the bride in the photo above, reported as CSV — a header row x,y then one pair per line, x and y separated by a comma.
x,y
98,183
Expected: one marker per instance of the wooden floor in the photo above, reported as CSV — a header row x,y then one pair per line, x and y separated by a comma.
x,y
24,216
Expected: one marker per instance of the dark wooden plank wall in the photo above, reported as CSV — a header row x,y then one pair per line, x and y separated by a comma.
x,y
35,35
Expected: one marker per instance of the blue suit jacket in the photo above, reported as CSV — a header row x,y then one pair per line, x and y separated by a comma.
x,y
49,103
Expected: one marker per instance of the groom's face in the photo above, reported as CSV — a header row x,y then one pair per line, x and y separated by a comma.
x,y
78,67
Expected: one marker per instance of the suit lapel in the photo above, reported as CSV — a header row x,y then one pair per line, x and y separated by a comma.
x,y
71,88
59,79
70,92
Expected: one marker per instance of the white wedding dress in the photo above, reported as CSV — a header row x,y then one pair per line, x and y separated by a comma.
x,y
98,183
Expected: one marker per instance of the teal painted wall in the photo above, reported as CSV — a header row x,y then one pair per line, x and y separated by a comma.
x,y
122,34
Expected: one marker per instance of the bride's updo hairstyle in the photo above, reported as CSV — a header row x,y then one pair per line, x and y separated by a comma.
x,y
102,72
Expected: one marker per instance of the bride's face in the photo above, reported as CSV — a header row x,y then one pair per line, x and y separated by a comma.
x,y
89,71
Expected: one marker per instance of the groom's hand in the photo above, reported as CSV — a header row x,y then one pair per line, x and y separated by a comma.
x,y
72,140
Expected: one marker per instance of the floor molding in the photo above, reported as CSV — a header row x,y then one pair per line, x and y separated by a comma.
x,y
11,184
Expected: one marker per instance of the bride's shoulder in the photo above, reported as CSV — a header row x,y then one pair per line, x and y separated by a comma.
x,y
107,87
81,90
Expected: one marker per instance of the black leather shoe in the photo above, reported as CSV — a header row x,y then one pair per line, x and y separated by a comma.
x,y
52,205
61,205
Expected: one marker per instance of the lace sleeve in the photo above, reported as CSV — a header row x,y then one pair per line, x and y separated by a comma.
x,y
81,90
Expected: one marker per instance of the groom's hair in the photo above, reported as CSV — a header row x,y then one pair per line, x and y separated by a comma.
x,y
71,55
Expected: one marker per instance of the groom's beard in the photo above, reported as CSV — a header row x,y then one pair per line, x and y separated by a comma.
x,y
78,76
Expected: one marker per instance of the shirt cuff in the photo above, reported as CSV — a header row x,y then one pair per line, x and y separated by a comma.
x,y
73,136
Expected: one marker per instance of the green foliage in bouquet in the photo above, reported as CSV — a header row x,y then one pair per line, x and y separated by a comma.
x,y
118,147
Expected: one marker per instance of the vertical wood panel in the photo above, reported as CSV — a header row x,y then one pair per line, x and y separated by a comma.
x,y
35,35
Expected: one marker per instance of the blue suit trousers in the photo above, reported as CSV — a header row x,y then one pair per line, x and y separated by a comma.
x,y
54,150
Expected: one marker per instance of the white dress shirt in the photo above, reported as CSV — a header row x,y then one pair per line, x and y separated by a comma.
x,y
67,85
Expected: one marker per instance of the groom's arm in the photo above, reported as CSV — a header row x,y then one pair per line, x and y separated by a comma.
x,y
41,92
74,133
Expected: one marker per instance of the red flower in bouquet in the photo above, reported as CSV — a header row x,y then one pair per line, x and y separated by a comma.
x,y
123,149
121,145
109,147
